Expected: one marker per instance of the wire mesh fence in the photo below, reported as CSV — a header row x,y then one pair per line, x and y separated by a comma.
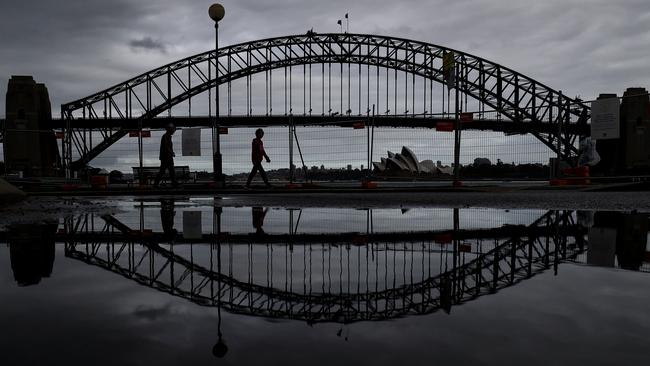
x,y
496,146
330,153
326,153
242,220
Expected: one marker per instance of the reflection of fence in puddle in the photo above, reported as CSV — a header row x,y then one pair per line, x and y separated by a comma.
x,y
320,220
342,277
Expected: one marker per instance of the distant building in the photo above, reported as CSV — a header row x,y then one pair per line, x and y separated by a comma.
x,y
629,152
407,162
29,119
482,162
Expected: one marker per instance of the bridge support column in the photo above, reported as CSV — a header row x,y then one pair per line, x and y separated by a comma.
x,y
29,120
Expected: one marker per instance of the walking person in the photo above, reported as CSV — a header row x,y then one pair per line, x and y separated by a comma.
x,y
167,157
257,154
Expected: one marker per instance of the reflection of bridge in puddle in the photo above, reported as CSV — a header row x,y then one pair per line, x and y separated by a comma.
x,y
316,265
328,277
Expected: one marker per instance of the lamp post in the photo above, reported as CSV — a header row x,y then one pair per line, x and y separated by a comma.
x,y
216,12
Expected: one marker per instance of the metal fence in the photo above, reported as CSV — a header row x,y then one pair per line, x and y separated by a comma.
x,y
326,153
344,152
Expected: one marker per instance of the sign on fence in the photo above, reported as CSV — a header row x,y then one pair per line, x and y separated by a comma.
x,y
143,133
191,142
466,117
192,228
605,119
445,126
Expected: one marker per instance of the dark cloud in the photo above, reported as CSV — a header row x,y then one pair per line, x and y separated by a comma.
x,y
152,313
148,44
80,46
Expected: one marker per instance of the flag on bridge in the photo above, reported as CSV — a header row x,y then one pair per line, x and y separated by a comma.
x,y
192,228
466,117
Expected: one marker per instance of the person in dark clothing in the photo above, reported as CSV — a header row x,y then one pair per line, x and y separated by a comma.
x,y
167,156
257,154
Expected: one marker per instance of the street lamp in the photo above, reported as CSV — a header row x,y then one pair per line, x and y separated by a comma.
x,y
216,12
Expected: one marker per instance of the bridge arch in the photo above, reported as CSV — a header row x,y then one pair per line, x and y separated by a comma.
x,y
514,95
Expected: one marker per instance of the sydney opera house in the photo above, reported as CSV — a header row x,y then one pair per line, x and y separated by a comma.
x,y
407,162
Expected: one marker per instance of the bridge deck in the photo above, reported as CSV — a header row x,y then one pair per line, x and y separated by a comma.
x,y
480,124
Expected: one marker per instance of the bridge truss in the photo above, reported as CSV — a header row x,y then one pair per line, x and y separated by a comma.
x,y
497,260
483,85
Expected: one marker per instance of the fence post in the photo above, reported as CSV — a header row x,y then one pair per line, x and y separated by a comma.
x,y
367,148
457,135
291,166
567,140
559,127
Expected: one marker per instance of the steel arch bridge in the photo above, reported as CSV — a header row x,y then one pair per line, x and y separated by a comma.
x,y
544,112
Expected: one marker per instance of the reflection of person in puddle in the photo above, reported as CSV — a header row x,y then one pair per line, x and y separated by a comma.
x,y
446,295
167,214
259,213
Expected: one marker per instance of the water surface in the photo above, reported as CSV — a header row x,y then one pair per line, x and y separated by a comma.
x,y
183,281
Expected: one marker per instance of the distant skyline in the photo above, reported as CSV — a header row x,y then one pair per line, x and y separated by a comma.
x,y
78,47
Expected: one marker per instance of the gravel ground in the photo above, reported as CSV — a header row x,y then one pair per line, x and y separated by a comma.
x,y
48,209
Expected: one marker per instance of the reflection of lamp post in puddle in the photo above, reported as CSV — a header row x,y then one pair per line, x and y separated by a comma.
x,y
220,348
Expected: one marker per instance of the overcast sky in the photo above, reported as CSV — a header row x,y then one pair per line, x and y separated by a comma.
x,y
78,47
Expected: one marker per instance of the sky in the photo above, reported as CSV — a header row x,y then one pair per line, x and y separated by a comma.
x,y
78,47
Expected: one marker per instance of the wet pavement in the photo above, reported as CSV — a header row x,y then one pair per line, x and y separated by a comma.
x,y
200,281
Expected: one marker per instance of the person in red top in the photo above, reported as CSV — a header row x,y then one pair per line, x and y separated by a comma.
x,y
257,154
